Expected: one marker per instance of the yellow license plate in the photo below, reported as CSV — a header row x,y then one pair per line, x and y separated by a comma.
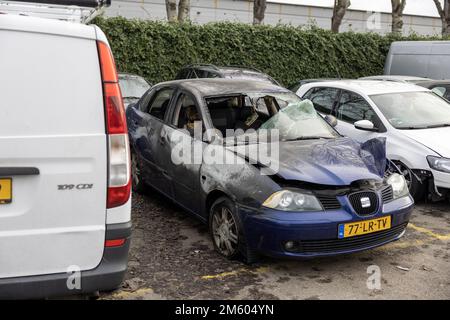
x,y
364,227
5,190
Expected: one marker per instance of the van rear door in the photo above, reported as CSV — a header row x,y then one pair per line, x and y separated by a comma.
x,y
53,148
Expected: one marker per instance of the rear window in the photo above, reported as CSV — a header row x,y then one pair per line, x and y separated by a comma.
x,y
50,85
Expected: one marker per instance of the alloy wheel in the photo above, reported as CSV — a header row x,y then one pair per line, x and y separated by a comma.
x,y
406,172
224,231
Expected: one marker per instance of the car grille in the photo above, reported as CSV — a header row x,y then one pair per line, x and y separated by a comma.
x,y
356,200
387,194
329,202
356,242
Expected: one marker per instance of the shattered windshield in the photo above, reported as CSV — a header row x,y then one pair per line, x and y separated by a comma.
x,y
299,121
280,113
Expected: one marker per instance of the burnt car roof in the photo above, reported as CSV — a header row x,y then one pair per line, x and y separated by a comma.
x,y
220,86
223,69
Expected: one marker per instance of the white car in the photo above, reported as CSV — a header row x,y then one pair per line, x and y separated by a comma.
x,y
415,121
65,205
132,87
402,79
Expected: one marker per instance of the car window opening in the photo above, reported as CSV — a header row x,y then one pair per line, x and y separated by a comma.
x,y
186,115
237,114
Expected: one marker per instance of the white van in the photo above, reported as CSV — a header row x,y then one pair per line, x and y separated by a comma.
x,y
429,59
65,205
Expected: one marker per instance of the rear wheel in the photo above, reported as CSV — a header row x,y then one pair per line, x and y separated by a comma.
x,y
138,183
227,232
416,188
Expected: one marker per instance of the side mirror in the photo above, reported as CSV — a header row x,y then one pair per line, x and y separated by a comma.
x,y
332,121
365,125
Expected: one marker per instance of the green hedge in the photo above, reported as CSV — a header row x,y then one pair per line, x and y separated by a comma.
x,y
157,50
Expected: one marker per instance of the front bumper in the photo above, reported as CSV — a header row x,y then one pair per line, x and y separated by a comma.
x,y
268,231
441,179
107,276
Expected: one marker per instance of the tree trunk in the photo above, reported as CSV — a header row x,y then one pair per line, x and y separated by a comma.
x,y
445,16
184,10
397,15
340,8
259,8
171,8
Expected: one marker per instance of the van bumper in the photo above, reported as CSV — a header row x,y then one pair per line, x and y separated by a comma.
x,y
108,275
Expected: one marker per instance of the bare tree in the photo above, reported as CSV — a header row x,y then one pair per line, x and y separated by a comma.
x,y
397,15
184,8
259,8
340,8
171,8
445,16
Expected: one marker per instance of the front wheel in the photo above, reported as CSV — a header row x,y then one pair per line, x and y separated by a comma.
x,y
226,231
416,187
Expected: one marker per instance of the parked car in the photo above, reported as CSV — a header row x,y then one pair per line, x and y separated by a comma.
x,y
132,87
275,207
415,121
295,86
64,161
440,87
228,72
403,79
427,59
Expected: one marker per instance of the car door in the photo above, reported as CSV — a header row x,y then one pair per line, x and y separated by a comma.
x,y
146,126
353,107
183,149
324,99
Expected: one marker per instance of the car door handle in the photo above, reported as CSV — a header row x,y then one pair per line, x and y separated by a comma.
x,y
164,139
18,171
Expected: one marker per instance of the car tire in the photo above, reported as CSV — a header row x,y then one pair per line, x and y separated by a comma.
x,y
227,232
417,188
137,181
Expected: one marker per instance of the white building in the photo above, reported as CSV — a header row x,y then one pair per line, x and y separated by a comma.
x,y
420,16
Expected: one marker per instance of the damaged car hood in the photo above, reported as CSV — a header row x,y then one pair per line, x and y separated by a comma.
x,y
335,162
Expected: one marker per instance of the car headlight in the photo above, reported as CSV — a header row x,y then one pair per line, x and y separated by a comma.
x,y
288,200
398,184
439,164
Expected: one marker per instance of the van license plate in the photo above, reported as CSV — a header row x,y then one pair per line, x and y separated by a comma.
x,y
364,227
5,190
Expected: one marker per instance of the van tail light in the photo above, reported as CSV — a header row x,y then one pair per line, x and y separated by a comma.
x,y
115,243
119,181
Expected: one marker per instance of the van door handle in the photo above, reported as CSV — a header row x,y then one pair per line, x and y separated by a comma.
x,y
18,171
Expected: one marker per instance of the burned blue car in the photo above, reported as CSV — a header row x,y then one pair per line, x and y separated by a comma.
x,y
267,173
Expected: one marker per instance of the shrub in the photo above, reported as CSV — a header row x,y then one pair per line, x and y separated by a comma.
x,y
157,50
